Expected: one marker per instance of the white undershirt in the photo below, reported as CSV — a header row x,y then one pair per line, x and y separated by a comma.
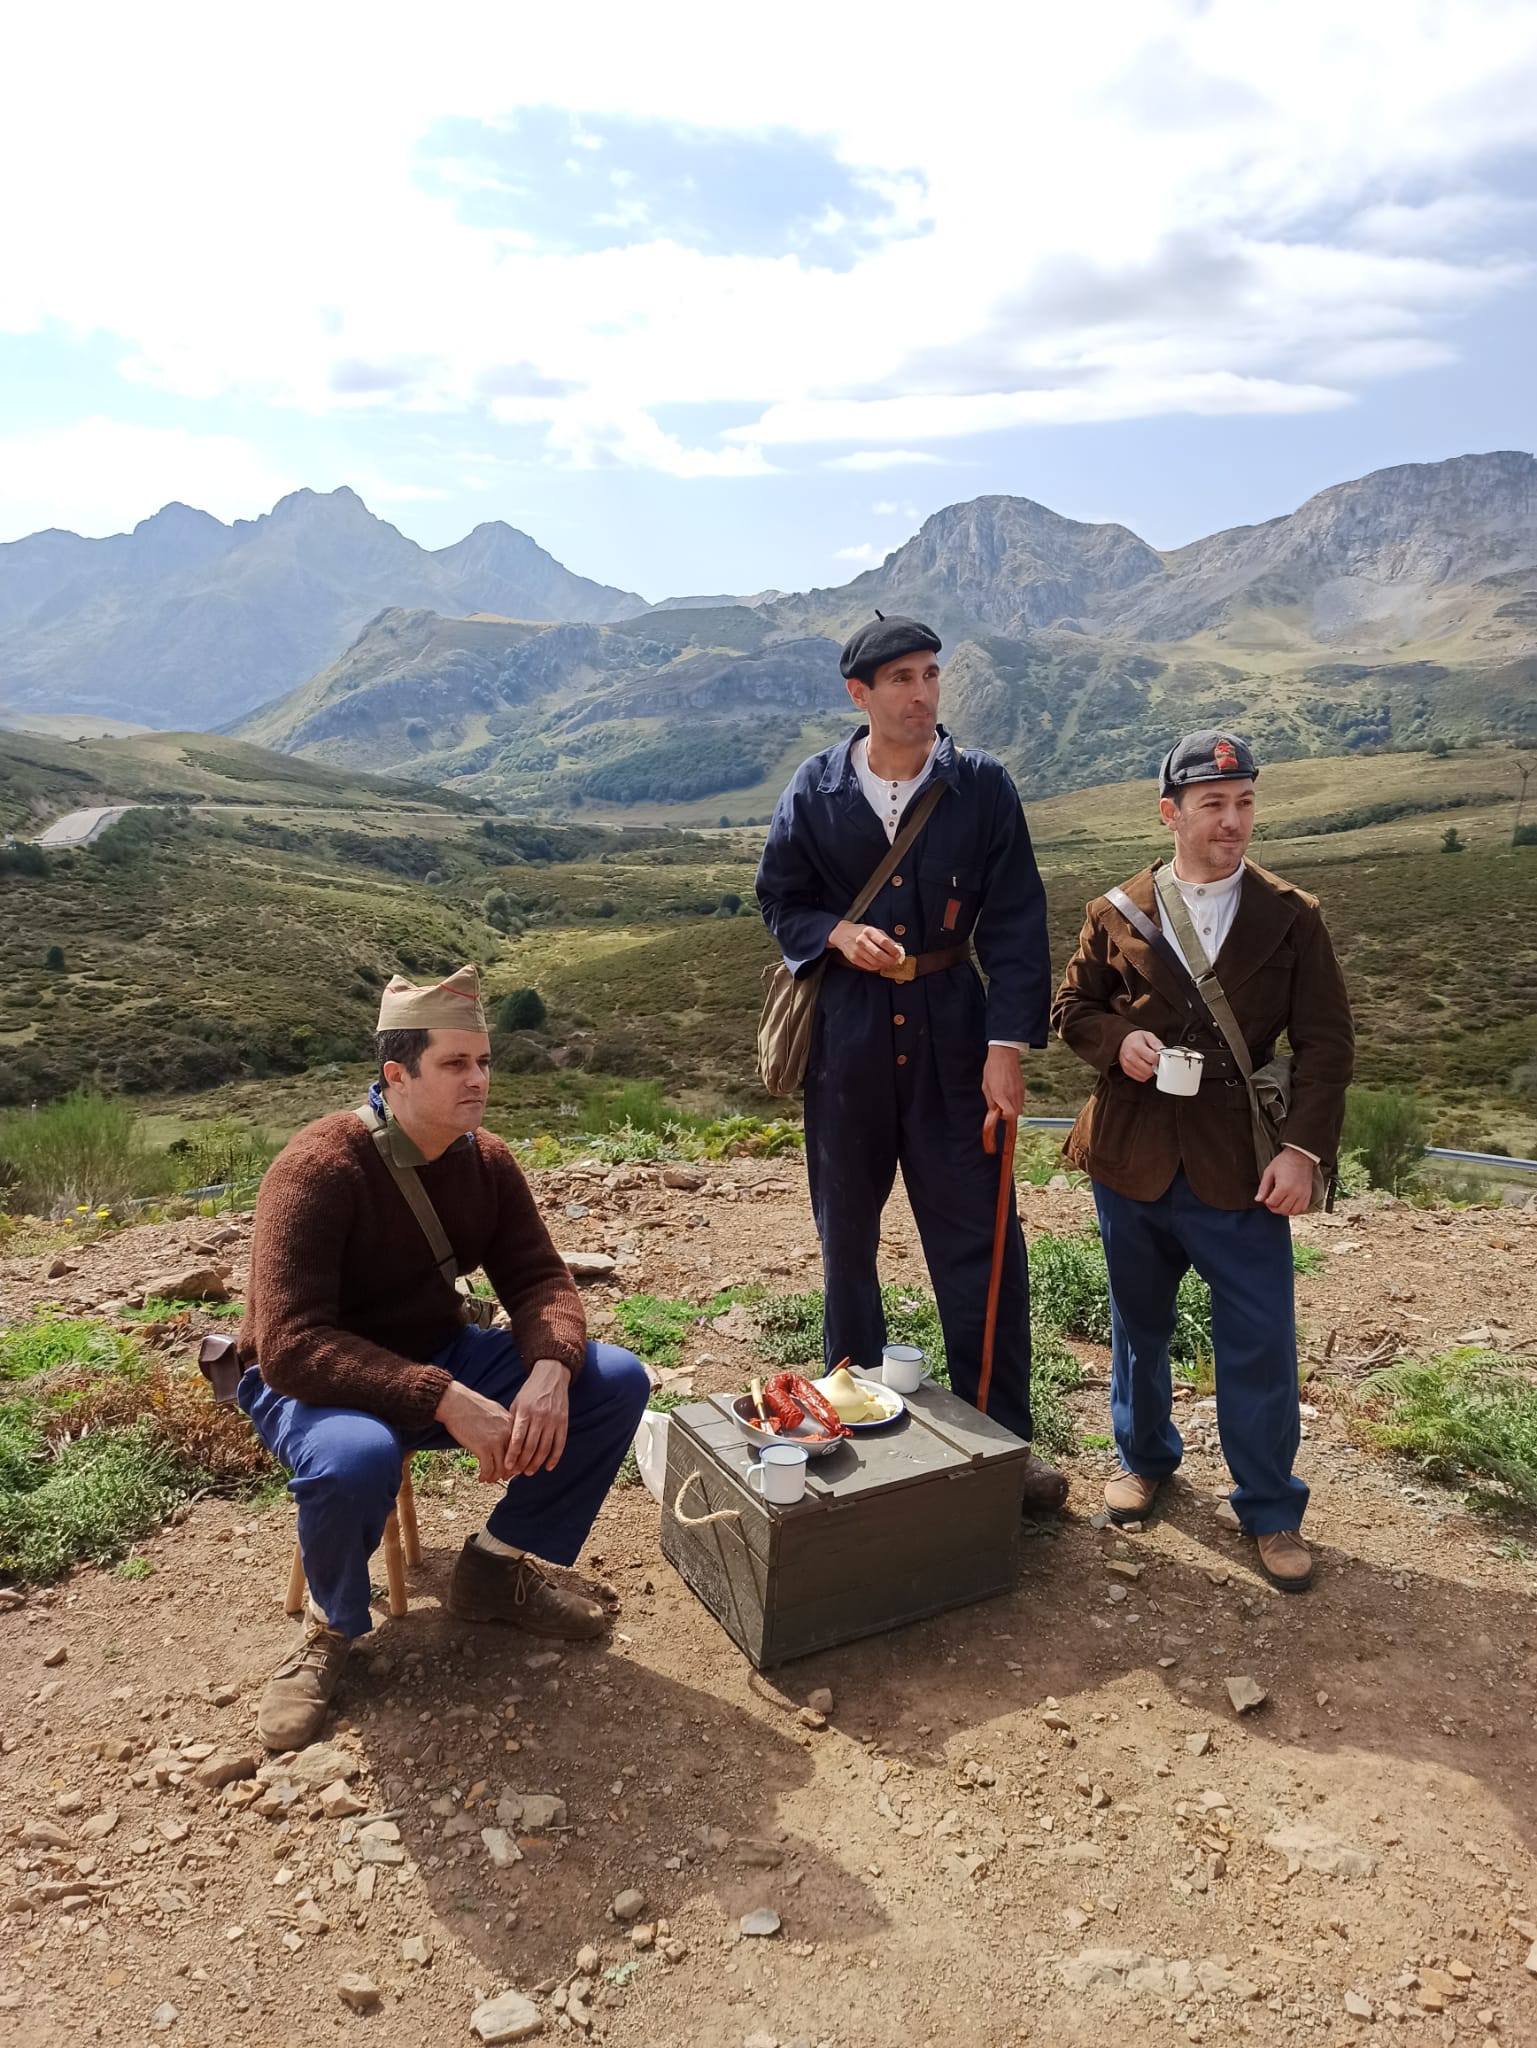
x,y
890,799
1212,907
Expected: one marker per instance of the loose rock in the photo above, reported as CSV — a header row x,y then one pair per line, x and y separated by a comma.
x,y
509,2017
225,1767
760,1923
500,1847
357,1991
629,1905
1310,1847
1245,1695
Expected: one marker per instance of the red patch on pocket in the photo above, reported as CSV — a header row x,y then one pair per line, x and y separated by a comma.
x,y
952,912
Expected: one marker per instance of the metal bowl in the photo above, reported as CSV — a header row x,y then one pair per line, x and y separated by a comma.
x,y
815,1446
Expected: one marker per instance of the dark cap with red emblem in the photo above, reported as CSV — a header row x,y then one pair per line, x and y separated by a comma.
x,y
1205,757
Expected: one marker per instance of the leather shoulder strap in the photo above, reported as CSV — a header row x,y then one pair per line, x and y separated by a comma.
x,y
1145,929
917,818
1201,970
417,1199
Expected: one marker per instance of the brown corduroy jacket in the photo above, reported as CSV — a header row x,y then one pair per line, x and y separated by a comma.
x,y
1279,972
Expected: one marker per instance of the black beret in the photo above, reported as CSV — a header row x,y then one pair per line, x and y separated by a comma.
x,y
1204,757
885,640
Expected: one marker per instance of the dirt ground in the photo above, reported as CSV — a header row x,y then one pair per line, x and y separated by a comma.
x,y
1036,1820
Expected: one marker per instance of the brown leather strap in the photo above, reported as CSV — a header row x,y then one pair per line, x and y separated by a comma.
x,y
916,964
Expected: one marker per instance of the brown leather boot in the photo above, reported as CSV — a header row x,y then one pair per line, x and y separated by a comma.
x,y
517,1590
1286,1561
293,1705
1130,1496
1045,1488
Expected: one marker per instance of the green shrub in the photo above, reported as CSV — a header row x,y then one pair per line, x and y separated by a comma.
x,y
523,1010
90,1497
225,1154
654,1327
1070,1294
1389,1128
54,958
86,1152
52,1342
1467,1414
1524,835
1452,840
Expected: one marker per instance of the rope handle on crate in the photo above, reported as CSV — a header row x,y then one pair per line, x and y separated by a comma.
x,y
699,1521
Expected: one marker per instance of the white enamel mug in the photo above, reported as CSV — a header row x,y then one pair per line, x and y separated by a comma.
x,y
902,1368
780,1474
1179,1070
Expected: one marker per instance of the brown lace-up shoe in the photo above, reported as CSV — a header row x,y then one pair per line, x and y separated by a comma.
x,y
293,1705
1286,1561
1129,1496
1045,1488
517,1590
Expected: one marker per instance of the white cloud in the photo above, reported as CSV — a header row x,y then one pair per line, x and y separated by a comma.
x,y
103,476
884,458
893,508
1256,151
863,552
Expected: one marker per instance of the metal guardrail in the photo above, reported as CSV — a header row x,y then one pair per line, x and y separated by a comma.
x,y
1500,1159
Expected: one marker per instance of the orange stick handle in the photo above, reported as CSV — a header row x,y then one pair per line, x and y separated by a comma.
x,y
1000,1233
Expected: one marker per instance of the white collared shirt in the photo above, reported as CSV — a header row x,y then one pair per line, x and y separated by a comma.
x,y
1212,907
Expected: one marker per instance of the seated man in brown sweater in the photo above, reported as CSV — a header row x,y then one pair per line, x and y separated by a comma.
x,y
357,1351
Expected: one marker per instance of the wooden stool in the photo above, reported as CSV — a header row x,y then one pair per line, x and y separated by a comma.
x,y
402,1546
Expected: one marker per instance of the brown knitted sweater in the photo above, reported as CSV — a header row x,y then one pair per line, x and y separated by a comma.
x,y
346,1303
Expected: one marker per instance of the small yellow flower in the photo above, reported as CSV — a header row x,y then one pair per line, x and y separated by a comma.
x,y
80,1208
103,1213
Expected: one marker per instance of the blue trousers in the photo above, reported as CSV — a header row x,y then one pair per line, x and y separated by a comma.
x,y
1245,1257
346,1465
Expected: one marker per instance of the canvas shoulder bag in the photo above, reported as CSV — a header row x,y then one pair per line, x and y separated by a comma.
x,y
789,1005
472,1308
1269,1086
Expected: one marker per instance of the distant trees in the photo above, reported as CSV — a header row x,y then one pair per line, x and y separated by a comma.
x,y
523,1010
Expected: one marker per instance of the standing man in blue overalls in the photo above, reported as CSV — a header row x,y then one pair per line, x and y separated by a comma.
x,y
909,1051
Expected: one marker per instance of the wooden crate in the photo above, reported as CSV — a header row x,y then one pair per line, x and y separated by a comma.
x,y
896,1524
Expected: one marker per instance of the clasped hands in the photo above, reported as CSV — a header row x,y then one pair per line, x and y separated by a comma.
x,y
507,1443
1286,1185
867,947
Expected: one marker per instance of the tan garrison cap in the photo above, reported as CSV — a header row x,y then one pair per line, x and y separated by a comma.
x,y
452,1005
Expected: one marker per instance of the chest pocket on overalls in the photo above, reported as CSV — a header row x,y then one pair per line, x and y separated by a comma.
x,y
951,898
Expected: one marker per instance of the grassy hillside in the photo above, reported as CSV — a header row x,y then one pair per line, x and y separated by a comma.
x,y
42,777
240,948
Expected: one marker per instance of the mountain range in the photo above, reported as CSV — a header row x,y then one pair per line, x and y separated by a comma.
x,y
189,622
1392,609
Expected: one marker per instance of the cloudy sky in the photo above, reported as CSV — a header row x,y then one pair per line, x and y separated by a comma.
x,y
712,299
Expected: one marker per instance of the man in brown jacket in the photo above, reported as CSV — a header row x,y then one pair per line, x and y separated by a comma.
x,y
358,1351
1176,1179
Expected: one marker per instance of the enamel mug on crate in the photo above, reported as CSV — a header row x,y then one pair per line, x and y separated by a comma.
x,y
1179,1070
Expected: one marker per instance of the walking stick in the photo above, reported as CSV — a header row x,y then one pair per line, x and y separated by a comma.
x,y
1000,1232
